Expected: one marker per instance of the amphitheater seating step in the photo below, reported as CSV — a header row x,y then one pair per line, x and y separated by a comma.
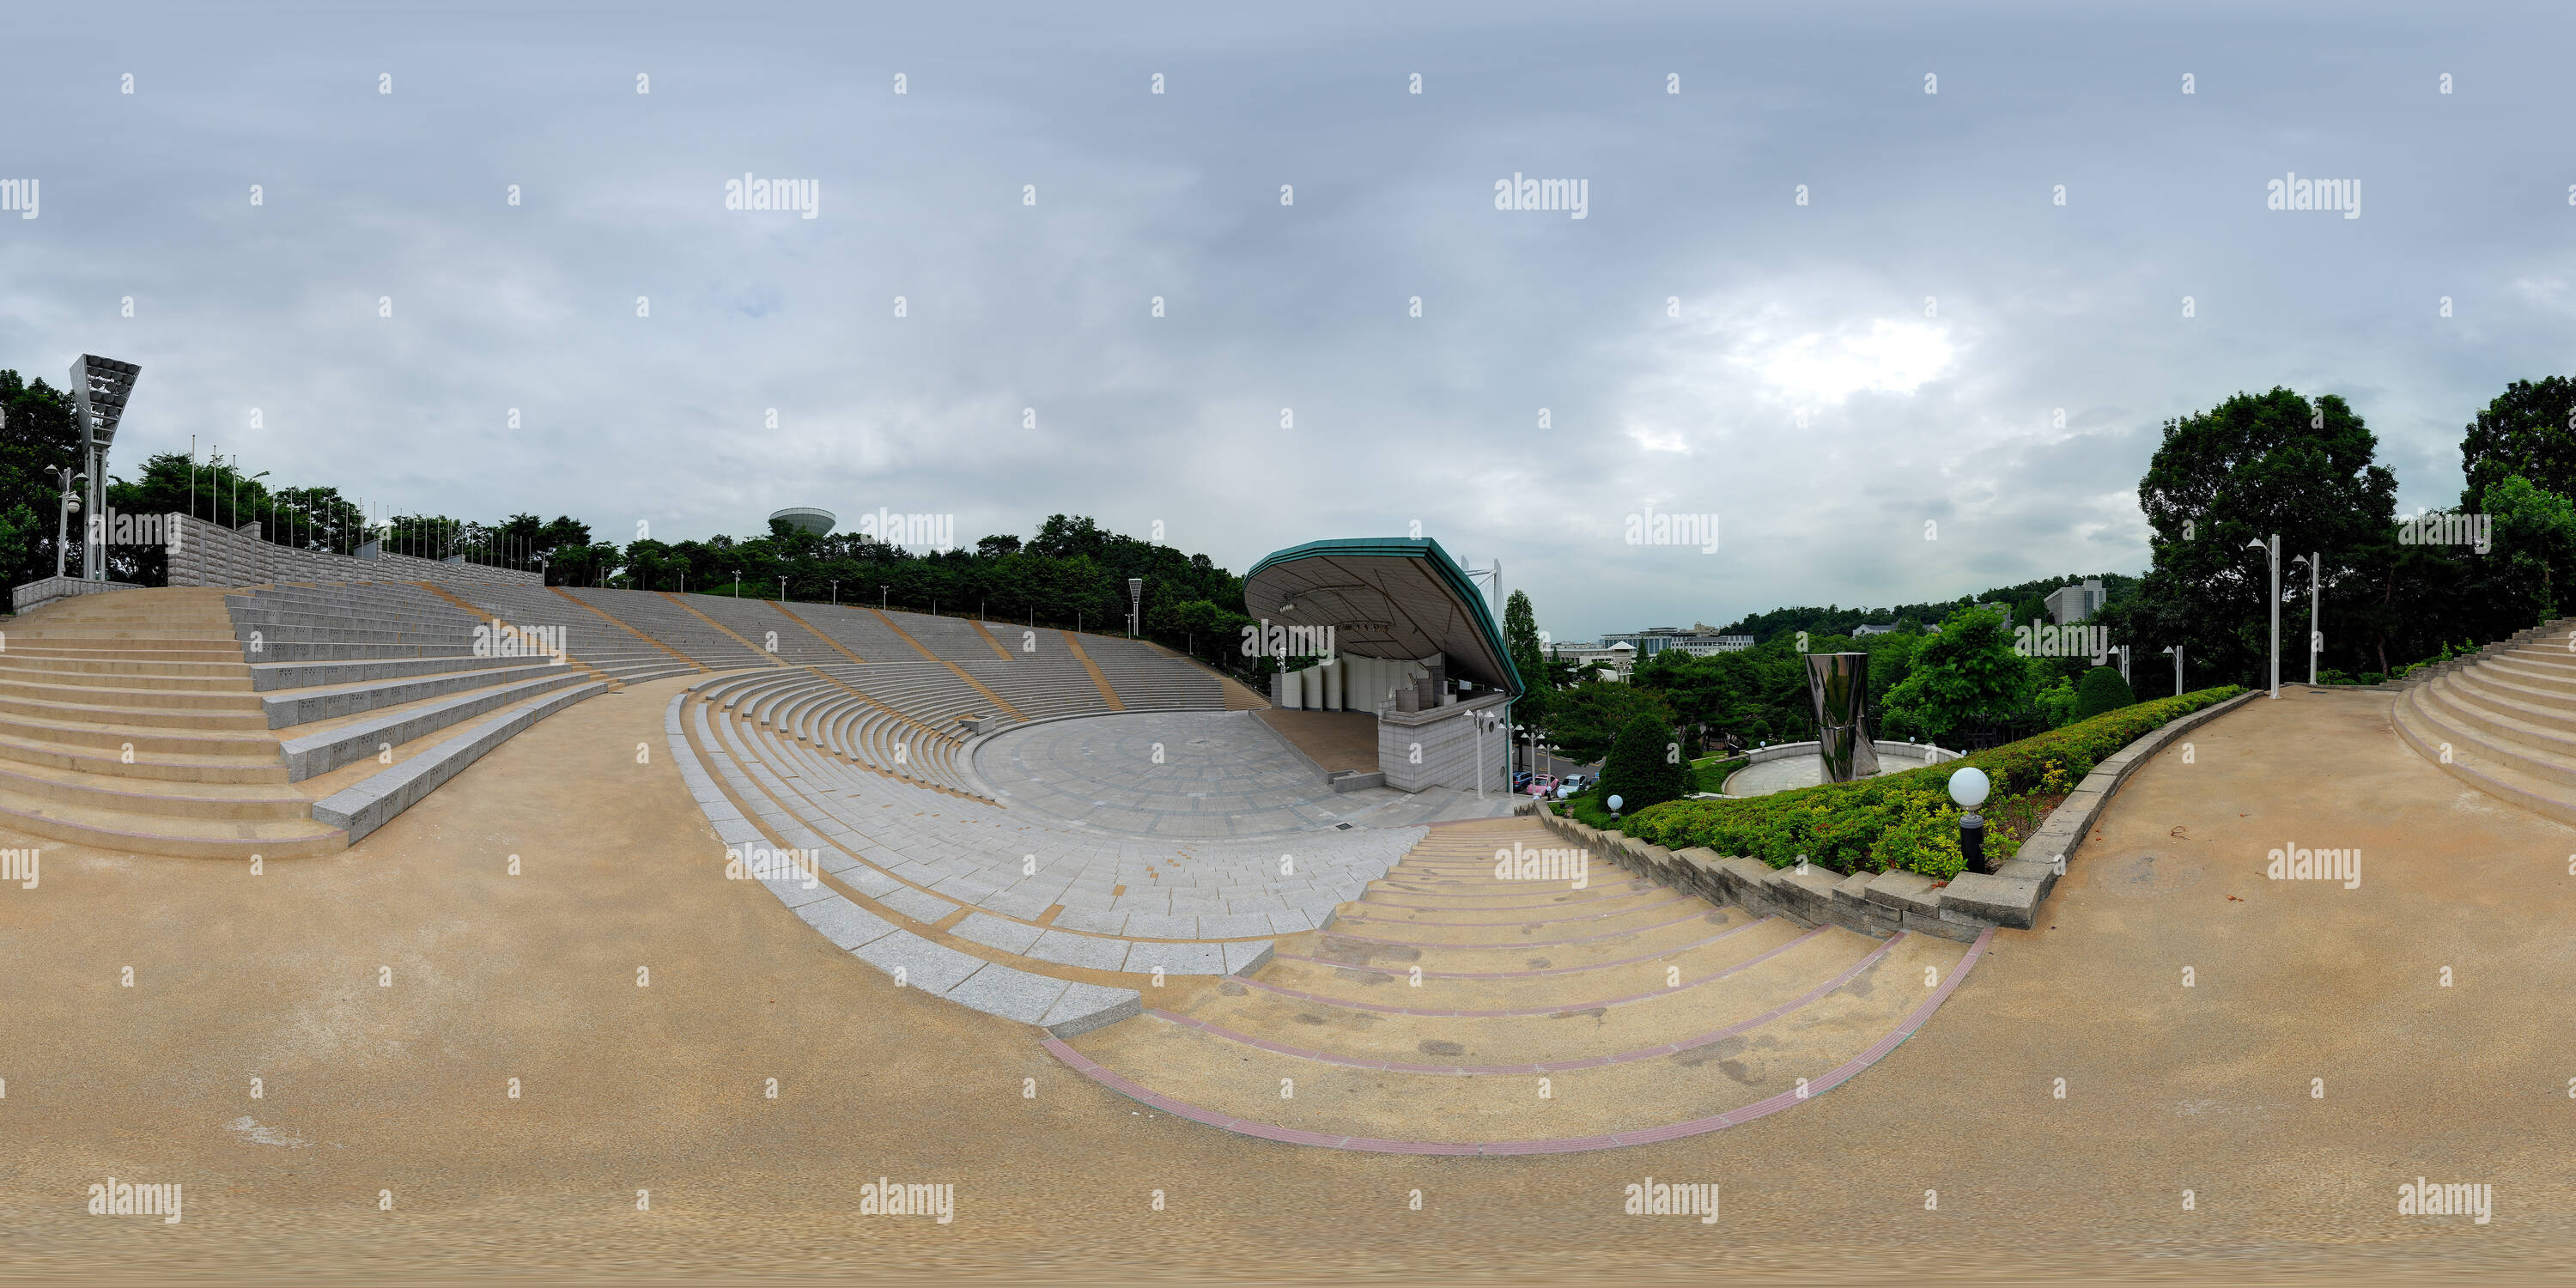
x,y
1647,1016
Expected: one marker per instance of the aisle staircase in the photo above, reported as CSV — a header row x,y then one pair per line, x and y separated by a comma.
x,y
1448,1010
2502,719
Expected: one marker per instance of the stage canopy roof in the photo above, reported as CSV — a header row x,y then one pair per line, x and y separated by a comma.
x,y
1385,597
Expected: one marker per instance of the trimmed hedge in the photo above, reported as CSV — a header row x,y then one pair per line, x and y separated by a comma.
x,y
2101,692
1902,821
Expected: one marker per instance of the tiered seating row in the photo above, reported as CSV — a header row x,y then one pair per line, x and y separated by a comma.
x,y
664,619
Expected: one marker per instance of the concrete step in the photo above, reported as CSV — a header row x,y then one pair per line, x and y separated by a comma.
x,y
369,804
2533,784
123,831
154,796
355,739
292,707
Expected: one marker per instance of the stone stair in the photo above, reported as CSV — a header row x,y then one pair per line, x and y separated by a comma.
x,y
130,722
2502,719
1543,1017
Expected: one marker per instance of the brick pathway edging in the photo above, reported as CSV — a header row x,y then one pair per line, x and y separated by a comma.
x,y
1567,1145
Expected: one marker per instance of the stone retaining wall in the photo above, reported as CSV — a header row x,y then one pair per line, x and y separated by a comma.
x,y
29,596
209,554
1882,903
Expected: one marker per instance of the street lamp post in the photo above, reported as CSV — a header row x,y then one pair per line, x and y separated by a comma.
x,y
782,590
2273,553
836,594
2316,638
63,526
1135,605
1968,787
881,599
2176,650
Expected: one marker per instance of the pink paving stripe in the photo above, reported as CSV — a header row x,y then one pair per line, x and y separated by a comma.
x,y
1535,943
1518,974
1347,1004
1553,1066
1523,921
1645,1136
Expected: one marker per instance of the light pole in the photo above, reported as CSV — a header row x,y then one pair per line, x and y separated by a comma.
x,y
2176,650
63,526
782,590
2316,638
2273,552
881,599
1135,604
254,496
836,594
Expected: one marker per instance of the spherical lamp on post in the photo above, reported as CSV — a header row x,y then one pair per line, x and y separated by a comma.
x,y
1968,787
1614,804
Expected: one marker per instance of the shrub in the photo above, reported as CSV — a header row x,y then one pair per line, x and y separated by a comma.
x,y
2102,690
1644,767
1895,821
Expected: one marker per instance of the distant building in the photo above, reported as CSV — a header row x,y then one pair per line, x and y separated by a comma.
x,y
1614,659
2072,603
1698,640
1864,632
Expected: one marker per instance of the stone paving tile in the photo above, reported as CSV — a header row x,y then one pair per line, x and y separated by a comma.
x,y
1177,959
1078,950
936,967
845,923
1099,923
920,905
1011,994
1156,925
994,932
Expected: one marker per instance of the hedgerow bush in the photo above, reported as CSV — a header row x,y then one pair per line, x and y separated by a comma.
x,y
1904,822
1644,767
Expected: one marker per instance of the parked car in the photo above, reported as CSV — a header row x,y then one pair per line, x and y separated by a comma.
x,y
1571,784
1521,781
1540,785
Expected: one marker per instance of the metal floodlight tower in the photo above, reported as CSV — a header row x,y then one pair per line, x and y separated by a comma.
x,y
1135,604
99,387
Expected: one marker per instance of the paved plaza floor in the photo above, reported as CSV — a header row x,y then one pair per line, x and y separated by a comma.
x,y
1804,771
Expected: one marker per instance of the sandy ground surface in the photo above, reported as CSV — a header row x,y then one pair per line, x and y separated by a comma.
x,y
369,1088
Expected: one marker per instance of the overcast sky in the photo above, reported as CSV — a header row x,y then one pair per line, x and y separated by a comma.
x,y
1929,311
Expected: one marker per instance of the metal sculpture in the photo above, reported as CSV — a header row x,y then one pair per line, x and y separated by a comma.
x,y
1839,683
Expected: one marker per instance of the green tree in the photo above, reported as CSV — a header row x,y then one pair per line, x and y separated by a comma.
x,y
2102,690
2535,529
1588,718
1645,766
2529,430
2253,466
1966,671
1520,639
